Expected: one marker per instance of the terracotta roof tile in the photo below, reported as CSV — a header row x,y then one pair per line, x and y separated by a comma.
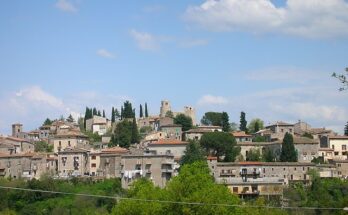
x,y
115,149
240,134
168,141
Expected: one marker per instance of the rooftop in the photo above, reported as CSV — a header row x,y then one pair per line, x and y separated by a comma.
x,y
116,150
168,142
240,134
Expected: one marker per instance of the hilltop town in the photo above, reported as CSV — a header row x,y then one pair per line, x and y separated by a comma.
x,y
154,147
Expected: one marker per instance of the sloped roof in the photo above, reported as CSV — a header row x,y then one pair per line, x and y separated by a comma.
x,y
169,142
339,137
116,149
240,134
199,130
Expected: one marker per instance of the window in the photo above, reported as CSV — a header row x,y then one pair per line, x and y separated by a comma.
x,y
339,173
235,189
282,130
336,153
344,147
333,147
94,157
94,165
69,143
60,143
338,165
295,168
290,130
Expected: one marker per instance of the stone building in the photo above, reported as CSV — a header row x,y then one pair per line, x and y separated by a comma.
x,y
110,162
73,162
247,147
241,136
70,139
279,129
98,125
172,132
166,146
188,111
197,133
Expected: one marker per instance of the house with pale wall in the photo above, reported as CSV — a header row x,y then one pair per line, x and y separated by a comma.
x,y
70,139
98,125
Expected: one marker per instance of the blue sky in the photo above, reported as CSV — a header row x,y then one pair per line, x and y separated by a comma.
x,y
271,59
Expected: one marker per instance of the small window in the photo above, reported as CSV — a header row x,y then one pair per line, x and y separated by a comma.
x,y
235,189
344,147
94,165
94,157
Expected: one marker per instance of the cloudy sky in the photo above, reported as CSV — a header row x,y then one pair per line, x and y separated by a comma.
x,y
271,59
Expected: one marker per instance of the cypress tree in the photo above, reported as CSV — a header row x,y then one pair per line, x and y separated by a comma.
x,y
104,114
113,115
135,132
288,153
257,127
122,113
99,113
146,111
141,115
243,122
346,130
95,112
225,121
117,114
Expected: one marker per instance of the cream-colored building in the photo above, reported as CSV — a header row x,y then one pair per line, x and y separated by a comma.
x,y
73,162
339,145
70,139
167,146
98,125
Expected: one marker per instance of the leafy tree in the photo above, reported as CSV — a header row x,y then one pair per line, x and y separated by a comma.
x,y
123,134
135,132
43,146
146,129
346,129
288,153
169,114
70,118
113,117
254,155
260,139
146,111
194,152
141,114
122,113
225,122
184,121
47,122
268,155
93,137
212,118
255,125
308,135
343,78
80,122
220,144
243,123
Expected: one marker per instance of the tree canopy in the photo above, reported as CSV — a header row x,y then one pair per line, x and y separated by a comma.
x,y
225,122
243,123
47,122
346,129
220,144
184,121
288,153
255,125
212,118
343,78
193,153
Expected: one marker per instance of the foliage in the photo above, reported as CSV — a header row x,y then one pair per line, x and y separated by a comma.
x,y
254,155
113,118
243,123
308,135
47,122
268,155
346,129
146,111
260,139
255,125
170,114
141,113
128,112
318,160
225,122
70,119
135,132
343,78
288,153
212,118
194,152
43,146
93,137
220,144
184,121
124,134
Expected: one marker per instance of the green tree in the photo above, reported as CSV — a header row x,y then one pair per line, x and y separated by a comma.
x,y
212,118
343,78
104,116
268,155
141,114
255,125
169,114
128,112
346,129
135,132
194,152
184,121
93,137
254,155
146,111
113,116
99,113
243,123
70,118
225,122
117,114
308,135
220,144
288,153
123,134
260,139
95,112
47,122
43,146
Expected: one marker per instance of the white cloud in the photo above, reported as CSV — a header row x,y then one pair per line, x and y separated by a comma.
x,y
105,53
66,5
212,100
305,18
193,42
145,41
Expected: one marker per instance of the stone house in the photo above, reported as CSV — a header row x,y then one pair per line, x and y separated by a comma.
x,y
172,132
70,139
307,149
342,168
110,162
166,146
73,162
246,147
241,136
98,125
279,129
197,133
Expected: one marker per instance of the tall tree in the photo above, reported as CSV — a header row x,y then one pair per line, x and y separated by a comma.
x,y
254,155
135,132
193,153
104,116
343,78
141,114
113,117
225,122
128,112
220,144
184,121
146,111
95,112
70,118
268,155
255,125
47,122
288,153
346,129
212,118
117,114
122,134
99,113
243,122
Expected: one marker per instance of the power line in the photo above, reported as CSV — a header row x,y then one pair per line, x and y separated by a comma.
x,y
167,202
